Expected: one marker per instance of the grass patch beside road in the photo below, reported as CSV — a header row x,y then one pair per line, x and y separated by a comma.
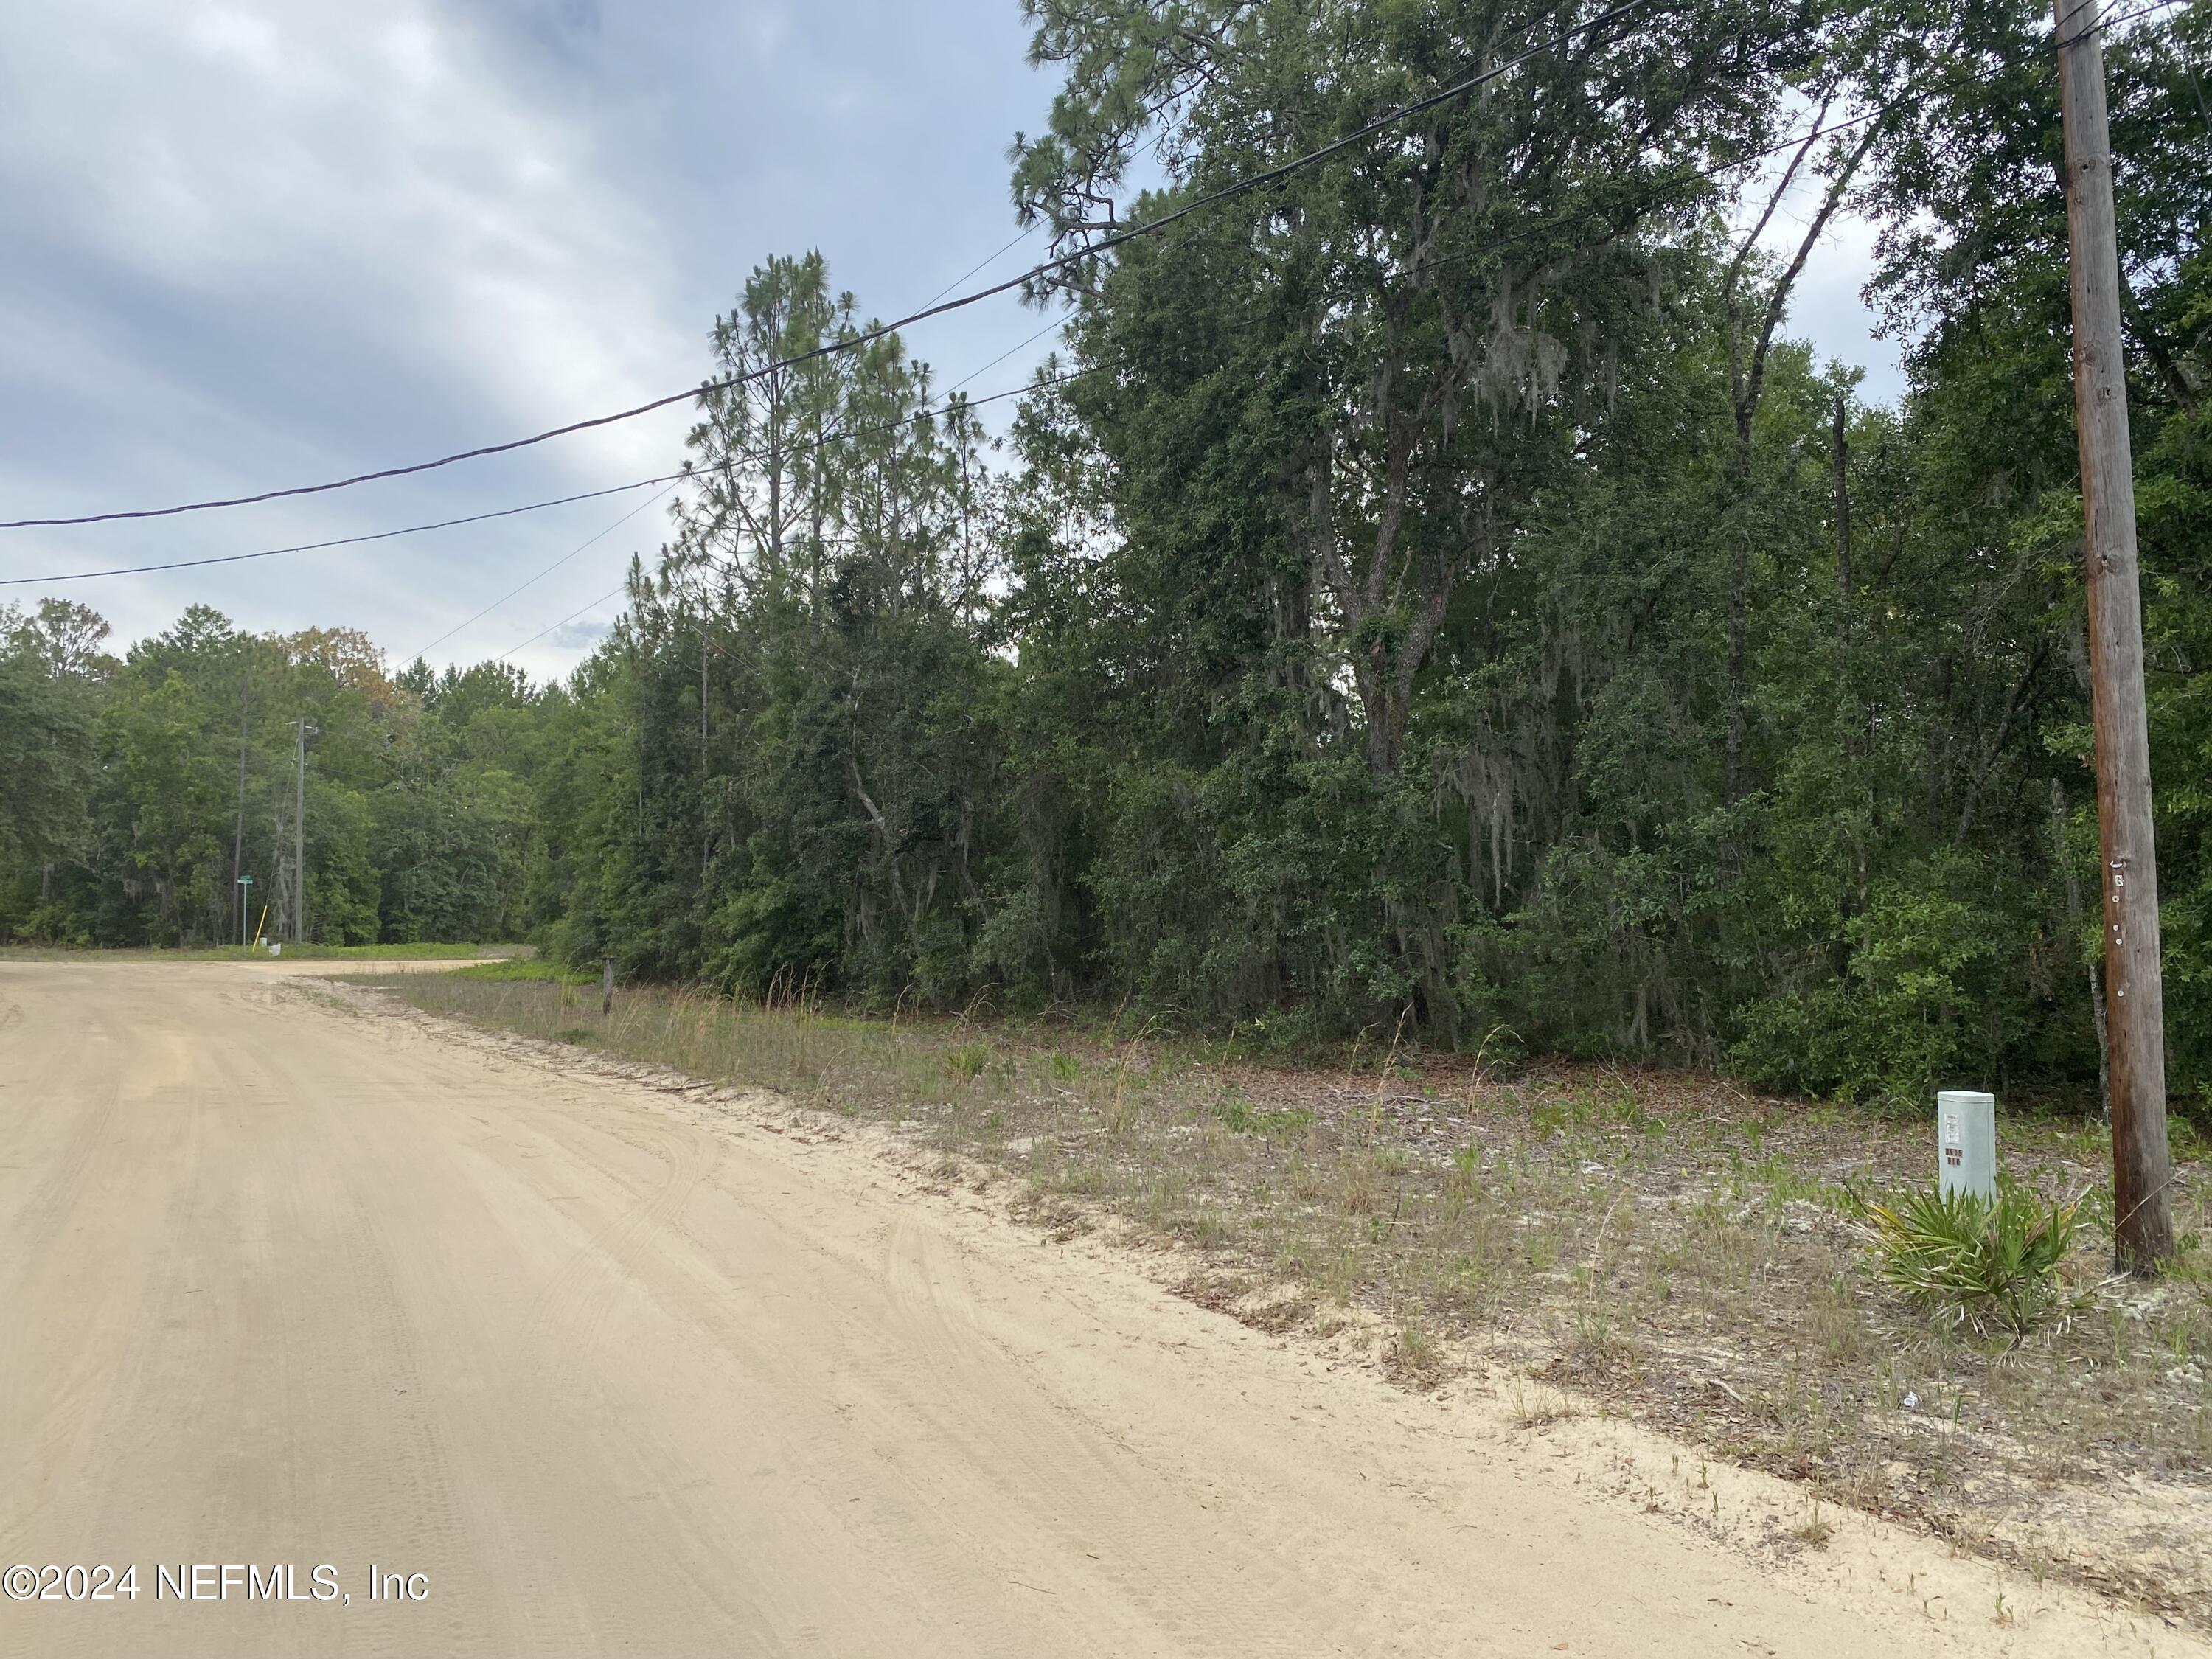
x,y
527,968
1661,1245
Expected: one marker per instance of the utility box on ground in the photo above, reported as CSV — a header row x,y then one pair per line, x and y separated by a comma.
x,y
1966,1142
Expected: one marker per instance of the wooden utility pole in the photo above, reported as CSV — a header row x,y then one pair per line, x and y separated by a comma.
x,y
2134,1004
237,837
300,832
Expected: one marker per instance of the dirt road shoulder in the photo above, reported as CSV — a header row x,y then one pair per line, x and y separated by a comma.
x,y
1671,1514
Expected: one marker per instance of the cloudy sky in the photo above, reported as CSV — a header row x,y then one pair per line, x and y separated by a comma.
x,y
254,244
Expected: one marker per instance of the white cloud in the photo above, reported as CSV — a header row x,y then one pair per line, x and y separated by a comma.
x,y
579,636
364,173
1828,307
266,241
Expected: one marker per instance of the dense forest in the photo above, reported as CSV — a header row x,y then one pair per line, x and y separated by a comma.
x,y
1433,592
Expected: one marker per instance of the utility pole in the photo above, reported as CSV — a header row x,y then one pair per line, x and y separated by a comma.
x,y
238,836
300,832
2135,1004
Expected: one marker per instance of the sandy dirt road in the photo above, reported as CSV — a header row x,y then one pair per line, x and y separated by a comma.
x,y
620,1371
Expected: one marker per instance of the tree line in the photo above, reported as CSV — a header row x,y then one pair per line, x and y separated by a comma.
x,y
1433,592
136,791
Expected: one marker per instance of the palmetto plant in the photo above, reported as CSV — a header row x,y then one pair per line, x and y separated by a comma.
x,y
1981,1265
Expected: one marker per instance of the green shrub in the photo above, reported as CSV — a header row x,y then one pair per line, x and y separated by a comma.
x,y
1905,1011
1974,1264
528,967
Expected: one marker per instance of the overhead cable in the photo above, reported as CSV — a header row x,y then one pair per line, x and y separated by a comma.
x,y
876,332
1669,186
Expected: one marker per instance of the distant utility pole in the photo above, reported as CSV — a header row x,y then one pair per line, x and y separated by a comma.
x,y
237,837
300,832
2134,1001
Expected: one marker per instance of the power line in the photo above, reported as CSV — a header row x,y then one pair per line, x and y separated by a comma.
x,y
2108,23
1019,345
579,547
935,309
566,620
840,435
337,541
534,507
1675,183
1816,131
1023,236
876,332
1670,185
